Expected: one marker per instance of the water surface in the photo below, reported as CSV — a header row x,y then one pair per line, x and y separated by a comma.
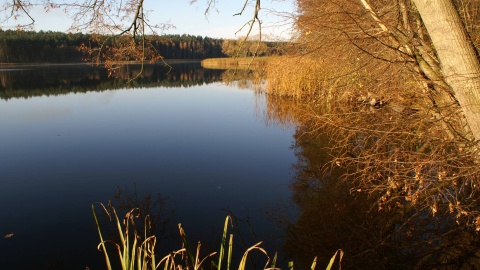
x,y
67,143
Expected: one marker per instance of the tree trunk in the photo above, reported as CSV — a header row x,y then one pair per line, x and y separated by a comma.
x,y
459,63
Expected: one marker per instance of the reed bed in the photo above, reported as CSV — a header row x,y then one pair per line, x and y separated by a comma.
x,y
319,85
136,251
296,77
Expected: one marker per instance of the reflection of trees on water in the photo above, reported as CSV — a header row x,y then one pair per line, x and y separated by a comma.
x,y
244,78
30,81
333,217
154,212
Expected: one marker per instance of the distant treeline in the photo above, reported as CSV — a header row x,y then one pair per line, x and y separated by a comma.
x,y
58,47
36,47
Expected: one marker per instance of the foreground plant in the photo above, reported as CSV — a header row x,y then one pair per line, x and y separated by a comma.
x,y
137,250
132,253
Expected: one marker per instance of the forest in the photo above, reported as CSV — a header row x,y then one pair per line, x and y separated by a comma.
x,y
58,47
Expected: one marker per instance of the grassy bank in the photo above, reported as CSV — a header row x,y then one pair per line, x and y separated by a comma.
x,y
237,63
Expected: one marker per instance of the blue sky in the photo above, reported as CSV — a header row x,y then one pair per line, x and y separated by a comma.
x,y
190,19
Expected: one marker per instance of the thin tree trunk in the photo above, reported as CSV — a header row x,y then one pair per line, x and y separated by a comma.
x,y
459,63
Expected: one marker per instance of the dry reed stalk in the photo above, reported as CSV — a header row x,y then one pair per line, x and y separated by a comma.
x,y
297,77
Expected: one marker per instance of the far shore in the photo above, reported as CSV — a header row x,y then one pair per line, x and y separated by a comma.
x,y
167,61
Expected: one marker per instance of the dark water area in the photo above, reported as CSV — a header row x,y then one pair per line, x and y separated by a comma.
x,y
70,136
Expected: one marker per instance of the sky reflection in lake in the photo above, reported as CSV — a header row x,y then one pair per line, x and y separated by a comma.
x,y
206,148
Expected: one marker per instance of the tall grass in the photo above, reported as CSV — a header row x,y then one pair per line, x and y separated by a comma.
x,y
137,252
314,80
295,77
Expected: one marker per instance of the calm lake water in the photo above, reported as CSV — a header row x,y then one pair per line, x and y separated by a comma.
x,y
71,137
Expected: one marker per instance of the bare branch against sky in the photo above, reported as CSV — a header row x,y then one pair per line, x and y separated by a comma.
x,y
213,18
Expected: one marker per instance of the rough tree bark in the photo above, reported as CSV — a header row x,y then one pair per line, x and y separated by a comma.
x,y
459,63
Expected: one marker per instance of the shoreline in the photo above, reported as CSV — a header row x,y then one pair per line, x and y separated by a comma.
x,y
166,61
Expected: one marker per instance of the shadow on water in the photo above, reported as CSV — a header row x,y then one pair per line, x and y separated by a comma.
x,y
332,217
80,78
154,206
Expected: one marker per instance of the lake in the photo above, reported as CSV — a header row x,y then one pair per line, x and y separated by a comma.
x,y
71,137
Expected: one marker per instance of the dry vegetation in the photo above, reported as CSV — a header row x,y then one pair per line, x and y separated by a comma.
x,y
404,179
396,131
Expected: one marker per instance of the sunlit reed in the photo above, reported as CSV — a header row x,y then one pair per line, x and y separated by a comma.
x,y
135,251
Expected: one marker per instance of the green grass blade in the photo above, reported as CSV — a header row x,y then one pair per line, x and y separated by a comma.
x,y
274,261
332,260
314,264
230,250
102,242
132,252
152,252
185,243
222,245
123,250
139,259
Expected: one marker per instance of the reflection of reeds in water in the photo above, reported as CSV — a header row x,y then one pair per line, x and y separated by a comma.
x,y
281,111
236,62
137,251
244,79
